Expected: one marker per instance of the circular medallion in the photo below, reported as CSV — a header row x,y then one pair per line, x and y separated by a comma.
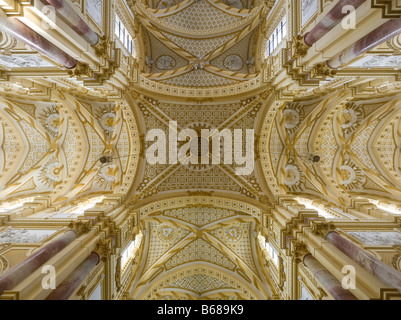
x,y
165,63
348,118
348,175
233,233
233,62
166,232
291,118
49,117
52,122
107,173
49,173
291,175
107,121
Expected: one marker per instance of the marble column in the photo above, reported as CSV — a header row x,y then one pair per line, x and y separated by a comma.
x,y
21,32
379,269
381,34
332,18
16,274
73,20
74,280
329,282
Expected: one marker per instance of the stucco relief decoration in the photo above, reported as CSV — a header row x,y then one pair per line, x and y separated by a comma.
x,y
24,236
106,176
348,175
3,263
375,61
167,3
352,177
291,118
24,61
233,233
50,120
166,232
165,63
348,118
377,238
107,121
292,176
49,174
233,62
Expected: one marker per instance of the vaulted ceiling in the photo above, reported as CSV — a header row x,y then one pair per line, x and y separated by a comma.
x,y
201,63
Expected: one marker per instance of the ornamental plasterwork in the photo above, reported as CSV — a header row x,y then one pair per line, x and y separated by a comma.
x,y
207,65
24,235
202,64
64,140
24,61
213,18
198,200
375,61
350,159
210,276
176,242
166,177
377,238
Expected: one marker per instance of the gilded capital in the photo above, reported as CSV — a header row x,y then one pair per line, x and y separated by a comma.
x,y
298,250
322,71
81,227
81,69
104,249
102,46
322,228
299,48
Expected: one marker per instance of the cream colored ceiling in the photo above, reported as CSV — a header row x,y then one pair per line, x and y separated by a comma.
x,y
53,148
205,252
161,179
198,69
199,43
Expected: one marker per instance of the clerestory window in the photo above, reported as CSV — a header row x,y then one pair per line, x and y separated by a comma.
x,y
277,36
122,33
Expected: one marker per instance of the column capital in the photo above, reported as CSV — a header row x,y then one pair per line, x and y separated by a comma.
x,y
101,48
81,69
322,228
103,249
299,48
81,227
322,71
298,250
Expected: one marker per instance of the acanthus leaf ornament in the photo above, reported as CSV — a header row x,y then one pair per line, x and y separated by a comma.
x,y
299,47
322,228
104,249
322,71
298,250
101,48
81,227
81,69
